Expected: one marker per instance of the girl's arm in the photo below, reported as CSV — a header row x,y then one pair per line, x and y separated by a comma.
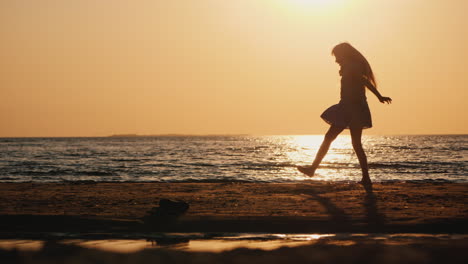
x,y
374,90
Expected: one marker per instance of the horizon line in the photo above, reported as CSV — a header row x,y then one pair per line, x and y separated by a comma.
x,y
222,134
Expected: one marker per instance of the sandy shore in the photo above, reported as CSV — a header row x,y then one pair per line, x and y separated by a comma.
x,y
236,207
115,210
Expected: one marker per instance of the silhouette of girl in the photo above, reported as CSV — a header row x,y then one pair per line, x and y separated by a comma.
x,y
352,112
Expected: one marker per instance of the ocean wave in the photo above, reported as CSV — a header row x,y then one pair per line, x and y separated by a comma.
x,y
130,159
59,172
415,165
225,180
200,164
229,159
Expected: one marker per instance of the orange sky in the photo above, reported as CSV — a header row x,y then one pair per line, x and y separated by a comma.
x,y
96,68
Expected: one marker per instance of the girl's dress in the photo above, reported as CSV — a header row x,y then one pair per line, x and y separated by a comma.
x,y
352,110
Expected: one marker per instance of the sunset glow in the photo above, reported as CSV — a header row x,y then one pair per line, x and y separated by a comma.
x,y
92,68
313,3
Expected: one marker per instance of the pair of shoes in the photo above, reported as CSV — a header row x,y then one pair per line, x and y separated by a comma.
x,y
307,170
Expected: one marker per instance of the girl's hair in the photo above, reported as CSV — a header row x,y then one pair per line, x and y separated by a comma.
x,y
348,52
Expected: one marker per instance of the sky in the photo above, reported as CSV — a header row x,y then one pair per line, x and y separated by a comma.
x,y
98,68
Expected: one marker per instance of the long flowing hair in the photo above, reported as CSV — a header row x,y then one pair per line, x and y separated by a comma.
x,y
346,51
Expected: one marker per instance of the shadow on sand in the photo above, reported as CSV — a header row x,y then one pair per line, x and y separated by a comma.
x,y
374,219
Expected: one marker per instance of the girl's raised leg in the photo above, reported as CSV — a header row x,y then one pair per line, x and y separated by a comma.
x,y
356,134
331,135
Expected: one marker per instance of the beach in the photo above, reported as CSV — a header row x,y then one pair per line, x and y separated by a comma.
x,y
241,207
115,210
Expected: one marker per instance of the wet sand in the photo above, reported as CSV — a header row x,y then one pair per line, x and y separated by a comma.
x,y
437,207
360,251
115,210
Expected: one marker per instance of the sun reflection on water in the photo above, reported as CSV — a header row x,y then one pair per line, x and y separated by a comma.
x,y
303,149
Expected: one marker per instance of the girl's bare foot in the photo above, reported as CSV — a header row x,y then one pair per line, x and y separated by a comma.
x,y
365,181
307,170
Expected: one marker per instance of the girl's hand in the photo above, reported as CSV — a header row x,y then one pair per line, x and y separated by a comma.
x,y
384,99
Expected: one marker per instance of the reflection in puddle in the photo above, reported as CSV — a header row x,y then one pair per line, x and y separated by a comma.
x,y
10,244
226,245
123,246
212,243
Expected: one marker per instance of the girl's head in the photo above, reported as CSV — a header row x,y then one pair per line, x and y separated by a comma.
x,y
347,54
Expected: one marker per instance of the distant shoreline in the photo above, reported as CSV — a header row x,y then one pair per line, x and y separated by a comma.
x,y
180,135
215,135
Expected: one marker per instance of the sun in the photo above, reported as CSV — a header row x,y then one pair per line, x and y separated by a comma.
x,y
313,3
317,8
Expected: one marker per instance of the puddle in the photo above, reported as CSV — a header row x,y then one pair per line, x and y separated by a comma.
x,y
223,242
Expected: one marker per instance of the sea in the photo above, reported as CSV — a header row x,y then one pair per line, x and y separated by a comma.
x,y
233,158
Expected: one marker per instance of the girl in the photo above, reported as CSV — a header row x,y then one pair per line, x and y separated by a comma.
x,y
352,112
